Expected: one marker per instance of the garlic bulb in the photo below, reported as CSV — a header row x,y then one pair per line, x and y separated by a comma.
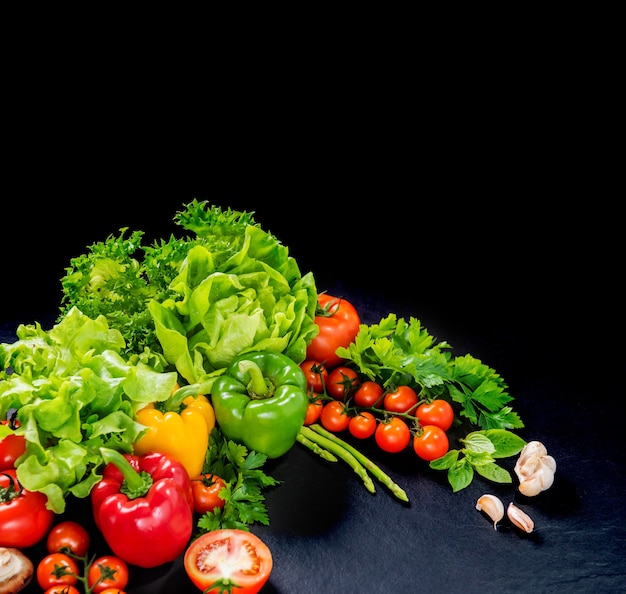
x,y
519,518
535,469
492,506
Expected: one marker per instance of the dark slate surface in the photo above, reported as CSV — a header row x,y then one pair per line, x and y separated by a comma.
x,y
518,288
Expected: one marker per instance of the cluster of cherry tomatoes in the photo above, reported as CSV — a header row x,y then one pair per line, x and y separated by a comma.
x,y
60,570
396,417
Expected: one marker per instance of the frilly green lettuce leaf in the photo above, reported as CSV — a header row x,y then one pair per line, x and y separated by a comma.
x,y
212,315
74,393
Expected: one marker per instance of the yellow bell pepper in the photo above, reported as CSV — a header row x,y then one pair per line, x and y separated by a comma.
x,y
183,436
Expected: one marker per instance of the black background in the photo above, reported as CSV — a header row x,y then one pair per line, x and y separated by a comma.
x,y
512,257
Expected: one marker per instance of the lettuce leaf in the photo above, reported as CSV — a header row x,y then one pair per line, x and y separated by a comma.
x,y
257,300
74,393
192,303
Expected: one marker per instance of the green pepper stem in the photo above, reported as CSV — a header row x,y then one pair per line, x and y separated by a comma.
x,y
258,386
136,484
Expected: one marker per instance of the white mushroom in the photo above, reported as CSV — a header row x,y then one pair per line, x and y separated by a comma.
x,y
16,570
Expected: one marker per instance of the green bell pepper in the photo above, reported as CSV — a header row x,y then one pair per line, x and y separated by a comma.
x,y
261,401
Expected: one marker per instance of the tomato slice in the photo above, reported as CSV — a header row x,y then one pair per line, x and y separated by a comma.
x,y
229,557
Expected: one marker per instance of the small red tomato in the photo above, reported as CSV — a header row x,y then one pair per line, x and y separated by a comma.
x,y
206,492
341,382
431,443
316,375
362,425
313,412
368,394
65,589
438,412
12,446
400,400
334,417
57,569
392,436
68,536
107,572
338,323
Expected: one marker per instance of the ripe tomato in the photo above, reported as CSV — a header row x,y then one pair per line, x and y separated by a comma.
x,y
316,375
368,394
400,400
113,591
438,412
341,382
338,323
57,569
431,443
334,416
11,446
107,572
68,536
362,425
65,589
392,436
206,492
228,556
313,412
24,518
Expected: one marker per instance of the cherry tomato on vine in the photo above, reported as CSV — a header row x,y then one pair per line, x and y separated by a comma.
x,y
341,382
400,399
362,425
205,489
438,412
65,589
316,375
57,569
431,443
230,554
368,394
24,517
106,572
392,436
338,323
68,536
334,416
113,591
313,412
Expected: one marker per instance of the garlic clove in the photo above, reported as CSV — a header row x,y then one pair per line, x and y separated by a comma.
x,y
519,518
492,506
538,482
533,448
550,463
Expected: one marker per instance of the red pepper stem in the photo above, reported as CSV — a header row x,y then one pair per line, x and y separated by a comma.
x,y
258,386
136,484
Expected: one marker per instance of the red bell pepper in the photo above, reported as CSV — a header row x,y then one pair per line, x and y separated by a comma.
x,y
144,507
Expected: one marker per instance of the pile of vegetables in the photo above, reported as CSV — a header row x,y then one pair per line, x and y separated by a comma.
x,y
197,358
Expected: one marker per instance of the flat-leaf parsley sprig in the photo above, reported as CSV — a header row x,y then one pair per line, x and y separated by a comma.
x,y
399,352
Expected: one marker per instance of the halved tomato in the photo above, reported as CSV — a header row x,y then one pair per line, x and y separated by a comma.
x,y
228,557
